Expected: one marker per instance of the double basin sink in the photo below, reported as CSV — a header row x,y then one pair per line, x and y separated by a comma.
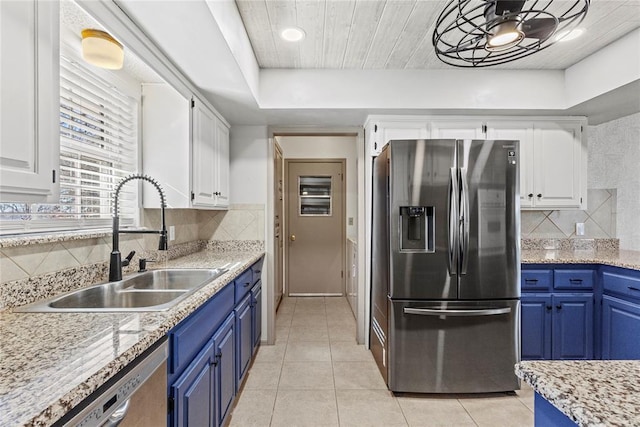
x,y
154,290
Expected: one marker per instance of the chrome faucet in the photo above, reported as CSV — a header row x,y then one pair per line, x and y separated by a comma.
x,y
115,262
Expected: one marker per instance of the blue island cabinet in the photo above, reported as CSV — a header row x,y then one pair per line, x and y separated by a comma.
x,y
557,312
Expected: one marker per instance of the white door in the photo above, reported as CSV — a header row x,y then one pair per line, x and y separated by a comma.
x,y
558,154
221,170
29,100
457,129
204,153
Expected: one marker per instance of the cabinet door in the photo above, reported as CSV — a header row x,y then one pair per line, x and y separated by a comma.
x,y
457,129
222,164
384,131
256,314
204,154
572,326
29,100
536,326
244,343
620,329
523,132
193,392
225,369
558,158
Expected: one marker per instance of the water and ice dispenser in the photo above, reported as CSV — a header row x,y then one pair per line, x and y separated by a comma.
x,y
416,229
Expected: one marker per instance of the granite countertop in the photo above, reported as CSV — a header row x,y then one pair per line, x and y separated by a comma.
x,y
50,362
616,258
590,392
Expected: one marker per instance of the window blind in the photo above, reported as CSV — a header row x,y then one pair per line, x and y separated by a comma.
x,y
98,147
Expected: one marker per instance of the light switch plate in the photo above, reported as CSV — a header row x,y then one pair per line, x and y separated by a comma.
x,y
579,228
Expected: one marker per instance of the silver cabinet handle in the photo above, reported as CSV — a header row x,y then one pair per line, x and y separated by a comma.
x,y
457,313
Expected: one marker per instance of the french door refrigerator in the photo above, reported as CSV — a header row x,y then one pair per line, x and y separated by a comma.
x,y
446,265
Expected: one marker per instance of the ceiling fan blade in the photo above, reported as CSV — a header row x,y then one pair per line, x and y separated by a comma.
x,y
508,6
539,28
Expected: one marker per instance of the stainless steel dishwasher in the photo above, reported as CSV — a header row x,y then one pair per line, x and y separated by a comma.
x,y
135,397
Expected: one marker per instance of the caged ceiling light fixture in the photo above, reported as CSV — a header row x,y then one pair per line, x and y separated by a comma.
x,y
482,33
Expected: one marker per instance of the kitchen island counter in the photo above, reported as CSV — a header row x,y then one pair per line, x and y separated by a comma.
x,y
50,362
589,392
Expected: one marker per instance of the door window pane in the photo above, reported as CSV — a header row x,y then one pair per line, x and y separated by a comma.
x,y
314,195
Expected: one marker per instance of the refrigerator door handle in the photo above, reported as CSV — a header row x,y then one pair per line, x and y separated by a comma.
x,y
464,221
457,313
453,222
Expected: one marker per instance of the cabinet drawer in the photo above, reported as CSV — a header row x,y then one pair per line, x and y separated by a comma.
x,y
190,335
621,284
536,280
243,284
573,279
256,270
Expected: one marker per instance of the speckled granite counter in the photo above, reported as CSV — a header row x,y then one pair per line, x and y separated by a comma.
x,y
50,362
591,393
616,258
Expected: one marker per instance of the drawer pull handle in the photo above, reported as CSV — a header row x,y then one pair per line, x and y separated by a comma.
x,y
531,280
575,281
631,288
247,284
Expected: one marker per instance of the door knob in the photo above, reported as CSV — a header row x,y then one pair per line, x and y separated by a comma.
x,y
292,237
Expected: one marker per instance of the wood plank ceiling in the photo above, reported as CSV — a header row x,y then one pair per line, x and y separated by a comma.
x,y
396,34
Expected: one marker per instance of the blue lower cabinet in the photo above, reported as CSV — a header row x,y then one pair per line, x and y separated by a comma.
x,y
620,329
210,353
244,343
193,392
536,326
225,369
572,326
557,326
256,314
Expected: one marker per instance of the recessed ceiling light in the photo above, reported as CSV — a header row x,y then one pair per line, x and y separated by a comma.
x,y
292,34
566,35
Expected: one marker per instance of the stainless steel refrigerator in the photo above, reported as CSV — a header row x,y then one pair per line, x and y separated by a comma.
x,y
446,265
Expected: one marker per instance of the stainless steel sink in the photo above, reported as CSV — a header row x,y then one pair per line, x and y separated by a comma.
x,y
170,280
154,290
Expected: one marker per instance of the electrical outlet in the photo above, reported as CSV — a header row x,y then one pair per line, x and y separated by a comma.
x,y
579,228
172,232
350,220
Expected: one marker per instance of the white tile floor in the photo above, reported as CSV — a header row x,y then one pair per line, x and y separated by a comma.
x,y
316,375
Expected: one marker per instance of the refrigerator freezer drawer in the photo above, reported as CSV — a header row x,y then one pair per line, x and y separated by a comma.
x,y
454,347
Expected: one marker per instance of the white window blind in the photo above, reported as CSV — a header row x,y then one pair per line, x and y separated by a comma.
x,y
98,147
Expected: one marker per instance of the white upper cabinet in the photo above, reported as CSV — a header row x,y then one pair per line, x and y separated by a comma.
x,y
29,100
457,129
186,148
560,166
523,132
553,153
222,164
378,133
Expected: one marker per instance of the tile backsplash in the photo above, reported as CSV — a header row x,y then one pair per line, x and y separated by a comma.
x,y
599,219
32,267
